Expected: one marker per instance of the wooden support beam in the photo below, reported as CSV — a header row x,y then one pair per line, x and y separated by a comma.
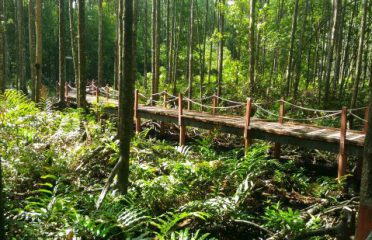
x,y
247,125
136,115
342,153
180,122
214,104
277,146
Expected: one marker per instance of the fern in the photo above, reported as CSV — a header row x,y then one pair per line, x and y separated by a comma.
x,y
168,221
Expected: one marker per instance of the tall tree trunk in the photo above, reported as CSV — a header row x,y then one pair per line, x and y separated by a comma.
x,y
61,67
365,206
346,57
168,29
31,44
156,48
299,54
332,44
291,48
39,50
100,45
221,26
252,28
21,49
2,89
120,42
190,56
145,27
358,69
81,98
73,42
126,101
202,59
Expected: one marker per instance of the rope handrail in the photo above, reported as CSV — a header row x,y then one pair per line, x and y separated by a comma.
x,y
230,101
357,109
211,107
297,119
308,109
357,117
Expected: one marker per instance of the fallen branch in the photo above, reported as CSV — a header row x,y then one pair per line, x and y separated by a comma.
x,y
254,225
108,183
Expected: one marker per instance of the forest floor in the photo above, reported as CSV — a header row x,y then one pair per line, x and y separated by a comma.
x,y
56,164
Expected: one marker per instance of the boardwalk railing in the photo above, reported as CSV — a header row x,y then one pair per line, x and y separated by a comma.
x,y
219,104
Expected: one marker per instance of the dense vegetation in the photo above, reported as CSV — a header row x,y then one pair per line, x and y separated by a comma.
x,y
77,171
56,165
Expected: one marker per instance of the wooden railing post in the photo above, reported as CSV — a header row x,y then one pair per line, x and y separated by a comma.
x,y
247,125
107,88
342,153
66,92
277,146
136,115
180,122
165,99
214,104
366,120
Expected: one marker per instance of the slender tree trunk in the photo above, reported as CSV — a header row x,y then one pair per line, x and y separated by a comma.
x,y
190,56
2,85
31,44
145,27
100,45
156,47
21,49
81,98
61,67
120,42
299,54
168,29
126,101
252,28
331,46
358,69
291,48
202,59
221,25
39,50
72,40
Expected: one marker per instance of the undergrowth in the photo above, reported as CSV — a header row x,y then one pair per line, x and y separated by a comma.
x,y
55,164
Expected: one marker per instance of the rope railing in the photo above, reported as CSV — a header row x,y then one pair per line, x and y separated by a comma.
x,y
110,92
211,107
332,114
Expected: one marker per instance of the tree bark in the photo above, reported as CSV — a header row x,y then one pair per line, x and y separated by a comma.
x,y
2,85
358,69
156,48
145,27
81,98
190,51
100,45
39,50
221,26
73,42
299,54
31,44
252,28
291,48
61,54
21,49
126,101
331,46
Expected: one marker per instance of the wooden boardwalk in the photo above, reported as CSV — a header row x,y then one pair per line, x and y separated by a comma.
x,y
299,134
